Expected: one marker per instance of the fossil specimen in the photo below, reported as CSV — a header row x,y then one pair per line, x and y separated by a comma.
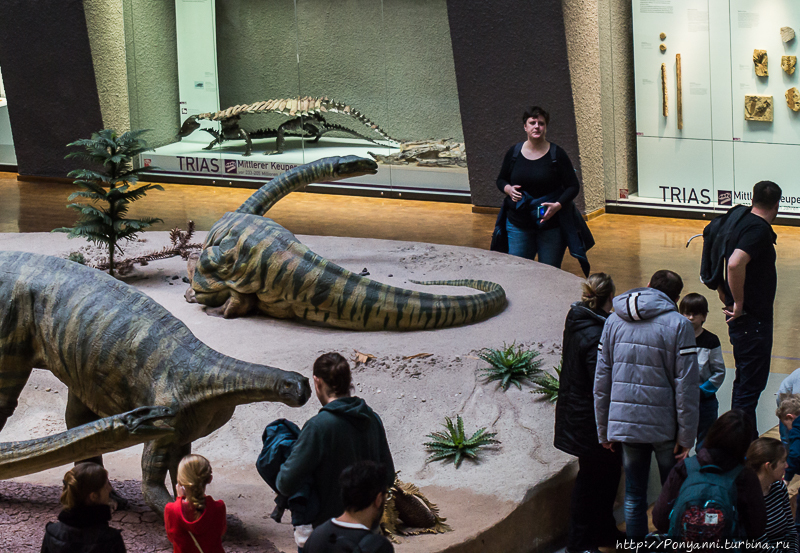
x,y
757,107
665,108
679,96
787,34
760,61
427,153
663,47
788,63
662,36
793,99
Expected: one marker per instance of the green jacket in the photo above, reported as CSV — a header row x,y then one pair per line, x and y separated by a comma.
x,y
343,432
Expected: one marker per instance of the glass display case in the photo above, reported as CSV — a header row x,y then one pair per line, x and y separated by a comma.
x,y
7,156
239,91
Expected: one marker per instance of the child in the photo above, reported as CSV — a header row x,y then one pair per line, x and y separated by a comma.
x,y
709,357
787,412
195,521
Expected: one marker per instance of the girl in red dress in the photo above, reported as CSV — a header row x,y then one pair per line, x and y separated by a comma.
x,y
195,522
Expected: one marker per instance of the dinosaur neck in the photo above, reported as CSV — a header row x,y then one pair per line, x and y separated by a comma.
x,y
269,194
233,382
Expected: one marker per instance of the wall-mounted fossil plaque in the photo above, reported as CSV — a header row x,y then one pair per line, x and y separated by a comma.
x,y
793,99
665,108
757,107
760,61
787,34
788,63
679,96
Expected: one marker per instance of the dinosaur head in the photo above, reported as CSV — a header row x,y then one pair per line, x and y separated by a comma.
x,y
354,166
189,126
294,390
149,420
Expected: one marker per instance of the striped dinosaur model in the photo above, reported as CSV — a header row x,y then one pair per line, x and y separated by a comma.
x,y
307,122
117,350
249,262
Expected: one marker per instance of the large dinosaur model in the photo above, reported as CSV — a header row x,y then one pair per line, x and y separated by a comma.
x,y
307,122
250,262
116,350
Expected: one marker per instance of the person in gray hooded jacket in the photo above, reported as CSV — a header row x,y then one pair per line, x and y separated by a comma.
x,y
646,388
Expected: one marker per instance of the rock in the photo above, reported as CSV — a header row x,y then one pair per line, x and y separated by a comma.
x,y
663,47
757,107
788,63
662,36
787,34
761,62
793,99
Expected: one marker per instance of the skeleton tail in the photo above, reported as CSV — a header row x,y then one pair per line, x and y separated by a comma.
x,y
326,169
339,107
102,436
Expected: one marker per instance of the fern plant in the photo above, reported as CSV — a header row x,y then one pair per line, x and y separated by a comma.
x,y
110,191
453,442
547,384
510,365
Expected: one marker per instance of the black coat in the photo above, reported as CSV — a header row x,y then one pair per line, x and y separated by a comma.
x,y
83,530
576,428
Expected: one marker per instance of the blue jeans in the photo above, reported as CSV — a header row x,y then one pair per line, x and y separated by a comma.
x,y
752,348
709,411
636,460
549,244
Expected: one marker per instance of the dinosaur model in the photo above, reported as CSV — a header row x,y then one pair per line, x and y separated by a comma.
x,y
117,350
307,122
249,262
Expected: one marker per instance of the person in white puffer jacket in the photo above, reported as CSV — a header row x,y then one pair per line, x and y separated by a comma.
x,y
646,388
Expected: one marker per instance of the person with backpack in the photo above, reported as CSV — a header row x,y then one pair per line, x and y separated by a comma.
x,y
767,458
538,216
713,495
364,494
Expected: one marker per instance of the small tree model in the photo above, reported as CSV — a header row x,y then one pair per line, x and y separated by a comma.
x,y
116,187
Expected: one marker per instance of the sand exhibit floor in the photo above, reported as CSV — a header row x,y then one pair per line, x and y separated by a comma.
x,y
513,500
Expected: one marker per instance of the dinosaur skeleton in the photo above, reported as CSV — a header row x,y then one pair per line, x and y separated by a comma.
x,y
307,122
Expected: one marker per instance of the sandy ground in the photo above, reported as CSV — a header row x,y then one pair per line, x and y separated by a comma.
x,y
412,395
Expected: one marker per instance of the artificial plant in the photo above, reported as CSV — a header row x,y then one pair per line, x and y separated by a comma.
x,y
110,190
453,442
510,365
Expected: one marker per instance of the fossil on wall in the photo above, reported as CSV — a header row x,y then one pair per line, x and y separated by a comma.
x,y
760,61
757,107
662,36
679,96
663,47
664,88
793,99
788,63
787,34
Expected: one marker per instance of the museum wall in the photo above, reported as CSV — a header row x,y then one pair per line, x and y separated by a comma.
x,y
392,60
508,58
49,81
152,62
105,25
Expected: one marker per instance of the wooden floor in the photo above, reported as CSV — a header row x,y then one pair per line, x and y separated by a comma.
x,y
630,248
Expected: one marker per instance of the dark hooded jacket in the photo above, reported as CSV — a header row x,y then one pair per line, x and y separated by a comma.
x,y
83,529
576,429
343,432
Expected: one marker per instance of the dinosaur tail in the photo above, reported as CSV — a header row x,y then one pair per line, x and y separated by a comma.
x,y
344,299
326,169
102,436
338,107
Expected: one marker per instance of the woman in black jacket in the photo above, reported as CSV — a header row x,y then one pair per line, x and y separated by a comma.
x,y
82,525
591,523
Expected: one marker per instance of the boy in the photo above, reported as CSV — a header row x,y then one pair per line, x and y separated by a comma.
x,y
787,412
709,357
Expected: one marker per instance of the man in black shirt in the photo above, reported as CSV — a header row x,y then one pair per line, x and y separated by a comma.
x,y
749,294
364,494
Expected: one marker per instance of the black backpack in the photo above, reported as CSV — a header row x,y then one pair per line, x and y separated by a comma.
x,y
716,241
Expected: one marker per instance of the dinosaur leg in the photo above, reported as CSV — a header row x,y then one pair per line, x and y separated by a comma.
x,y
191,265
12,381
78,414
248,149
217,138
237,305
158,459
279,142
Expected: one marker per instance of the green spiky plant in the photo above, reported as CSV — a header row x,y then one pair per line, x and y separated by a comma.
x,y
111,191
510,365
547,384
453,442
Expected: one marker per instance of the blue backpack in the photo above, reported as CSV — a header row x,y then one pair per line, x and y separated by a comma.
x,y
705,509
